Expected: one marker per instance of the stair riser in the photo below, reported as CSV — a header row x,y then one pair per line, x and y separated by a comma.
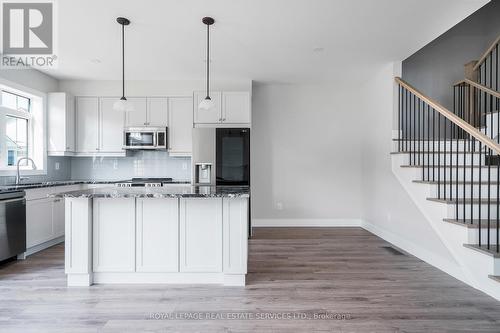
x,y
445,172
475,191
475,211
484,236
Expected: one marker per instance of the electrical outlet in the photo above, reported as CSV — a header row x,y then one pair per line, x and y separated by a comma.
x,y
184,166
279,206
56,166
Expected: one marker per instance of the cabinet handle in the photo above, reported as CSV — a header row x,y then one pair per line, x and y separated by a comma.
x,y
57,200
223,119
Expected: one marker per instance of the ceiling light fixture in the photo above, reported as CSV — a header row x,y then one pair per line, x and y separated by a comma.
x,y
207,103
123,104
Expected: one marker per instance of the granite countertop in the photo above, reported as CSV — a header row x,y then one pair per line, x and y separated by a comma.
x,y
70,182
55,183
160,192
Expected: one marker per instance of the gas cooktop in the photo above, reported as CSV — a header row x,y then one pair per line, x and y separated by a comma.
x,y
145,182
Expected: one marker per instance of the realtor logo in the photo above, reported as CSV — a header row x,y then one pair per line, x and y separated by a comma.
x,y
27,34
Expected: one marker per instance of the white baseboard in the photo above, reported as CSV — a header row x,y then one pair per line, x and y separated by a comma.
x,y
307,222
43,246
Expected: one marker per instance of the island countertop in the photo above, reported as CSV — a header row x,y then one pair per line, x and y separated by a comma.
x,y
160,192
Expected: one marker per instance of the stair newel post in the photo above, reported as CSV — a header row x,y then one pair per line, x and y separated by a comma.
x,y
433,143
456,170
399,118
413,130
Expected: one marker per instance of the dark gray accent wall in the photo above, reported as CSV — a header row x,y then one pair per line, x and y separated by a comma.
x,y
438,65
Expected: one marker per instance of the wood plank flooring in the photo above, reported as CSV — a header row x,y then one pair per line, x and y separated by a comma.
x,y
294,273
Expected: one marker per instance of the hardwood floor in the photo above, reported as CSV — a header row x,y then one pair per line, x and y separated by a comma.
x,y
292,272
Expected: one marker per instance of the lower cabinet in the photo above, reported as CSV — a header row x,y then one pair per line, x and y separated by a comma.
x,y
200,235
157,233
114,235
38,221
58,217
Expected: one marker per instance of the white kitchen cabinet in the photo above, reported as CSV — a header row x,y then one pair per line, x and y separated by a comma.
x,y
150,111
114,235
236,107
157,114
58,217
180,126
200,235
231,107
157,233
212,116
87,124
111,123
235,235
38,221
44,216
138,116
61,124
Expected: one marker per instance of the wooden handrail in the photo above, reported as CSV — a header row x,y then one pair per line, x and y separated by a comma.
x,y
485,55
479,86
451,117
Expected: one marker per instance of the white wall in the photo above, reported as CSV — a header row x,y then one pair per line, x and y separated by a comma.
x,y
388,211
305,154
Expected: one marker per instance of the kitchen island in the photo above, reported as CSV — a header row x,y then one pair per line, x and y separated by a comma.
x,y
174,234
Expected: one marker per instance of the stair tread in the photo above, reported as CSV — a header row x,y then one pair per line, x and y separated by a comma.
x,y
495,277
442,151
474,224
466,200
492,251
447,166
460,182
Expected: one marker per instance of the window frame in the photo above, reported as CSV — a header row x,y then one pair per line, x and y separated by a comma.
x,y
37,130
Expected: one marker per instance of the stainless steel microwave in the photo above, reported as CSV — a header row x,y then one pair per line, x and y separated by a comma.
x,y
145,138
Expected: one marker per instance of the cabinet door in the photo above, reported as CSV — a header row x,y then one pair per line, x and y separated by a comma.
x,y
87,122
236,107
70,123
58,217
38,221
137,117
180,121
213,116
235,226
114,235
157,111
157,235
200,235
111,123
56,122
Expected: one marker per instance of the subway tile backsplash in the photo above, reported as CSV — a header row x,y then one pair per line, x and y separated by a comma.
x,y
138,164
63,173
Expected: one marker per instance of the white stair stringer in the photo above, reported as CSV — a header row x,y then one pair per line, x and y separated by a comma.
x,y
475,266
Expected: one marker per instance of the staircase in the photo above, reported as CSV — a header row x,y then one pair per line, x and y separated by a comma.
x,y
449,163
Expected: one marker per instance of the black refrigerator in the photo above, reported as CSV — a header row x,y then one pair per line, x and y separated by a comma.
x,y
232,156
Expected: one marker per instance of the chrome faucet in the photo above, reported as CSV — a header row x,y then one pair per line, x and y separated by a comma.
x,y
18,176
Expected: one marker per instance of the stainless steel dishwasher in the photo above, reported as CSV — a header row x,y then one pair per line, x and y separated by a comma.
x,y
12,223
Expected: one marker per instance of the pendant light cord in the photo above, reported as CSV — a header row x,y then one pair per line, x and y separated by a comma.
x,y
123,61
208,61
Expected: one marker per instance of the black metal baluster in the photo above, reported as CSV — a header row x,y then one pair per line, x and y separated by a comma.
x,y
433,142
439,155
428,141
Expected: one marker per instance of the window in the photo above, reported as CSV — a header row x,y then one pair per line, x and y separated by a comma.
x,y
21,130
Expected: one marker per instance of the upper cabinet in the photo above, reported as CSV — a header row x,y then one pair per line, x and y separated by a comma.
x,y
180,126
157,113
61,124
99,128
231,107
151,111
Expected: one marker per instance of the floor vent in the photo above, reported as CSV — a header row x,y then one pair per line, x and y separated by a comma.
x,y
394,251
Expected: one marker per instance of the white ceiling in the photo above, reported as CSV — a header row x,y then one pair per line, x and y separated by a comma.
x,y
262,40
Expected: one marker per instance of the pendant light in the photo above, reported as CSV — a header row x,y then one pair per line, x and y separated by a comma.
x,y
207,103
122,104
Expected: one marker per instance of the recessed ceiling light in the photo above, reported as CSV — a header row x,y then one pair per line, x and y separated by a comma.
x,y
95,61
318,49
